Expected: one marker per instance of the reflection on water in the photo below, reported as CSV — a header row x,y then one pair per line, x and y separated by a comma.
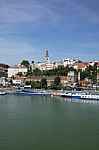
x,y
46,123
79,100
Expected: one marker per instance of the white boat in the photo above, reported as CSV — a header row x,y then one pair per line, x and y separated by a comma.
x,y
91,96
26,90
71,94
66,94
2,93
81,95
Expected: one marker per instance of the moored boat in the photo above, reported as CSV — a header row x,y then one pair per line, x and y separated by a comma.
x,y
90,96
26,90
2,93
81,95
71,94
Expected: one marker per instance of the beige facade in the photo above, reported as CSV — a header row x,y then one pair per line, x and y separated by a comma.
x,y
73,78
14,70
44,66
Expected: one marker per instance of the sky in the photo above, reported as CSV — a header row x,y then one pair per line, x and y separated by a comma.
x,y
67,28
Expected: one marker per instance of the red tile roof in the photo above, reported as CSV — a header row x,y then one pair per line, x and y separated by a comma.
x,y
85,82
20,78
98,64
97,74
81,65
64,78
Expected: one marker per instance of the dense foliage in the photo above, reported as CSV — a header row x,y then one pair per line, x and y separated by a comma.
x,y
60,71
4,65
43,83
25,63
90,73
56,85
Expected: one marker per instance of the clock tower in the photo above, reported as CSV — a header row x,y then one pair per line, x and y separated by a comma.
x,y
47,57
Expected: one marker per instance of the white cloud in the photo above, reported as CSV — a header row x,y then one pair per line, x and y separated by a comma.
x,y
12,51
19,17
22,12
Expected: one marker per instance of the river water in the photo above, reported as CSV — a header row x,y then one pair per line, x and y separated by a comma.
x,y
45,123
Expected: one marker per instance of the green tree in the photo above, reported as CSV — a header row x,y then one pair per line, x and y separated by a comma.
x,y
56,85
35,84
3,74
44,83
25,63
28,83
4,65
90,72
57,80
37,72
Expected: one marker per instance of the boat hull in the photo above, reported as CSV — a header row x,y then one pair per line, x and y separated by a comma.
x,y
25,92
81,95
2,93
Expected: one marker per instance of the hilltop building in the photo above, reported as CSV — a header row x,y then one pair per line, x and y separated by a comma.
x,y
68,61
44,65
47,57
80,66
13,71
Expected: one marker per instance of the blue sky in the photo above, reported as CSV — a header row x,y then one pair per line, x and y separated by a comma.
x,y
67,28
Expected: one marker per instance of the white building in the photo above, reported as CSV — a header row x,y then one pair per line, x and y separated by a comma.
x,y
47,57
80,66
98,66
14,70
49,66
3,81
57,64
19,81
45,65
32,65
73,77
67,61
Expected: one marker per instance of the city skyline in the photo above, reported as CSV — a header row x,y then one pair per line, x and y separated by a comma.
x,y
67,28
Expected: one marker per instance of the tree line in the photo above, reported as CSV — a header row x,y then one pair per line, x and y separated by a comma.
x,y
56,84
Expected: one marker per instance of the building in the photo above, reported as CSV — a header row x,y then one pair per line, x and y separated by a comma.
x,y
98,72
80,66
73,78
98,66
44,65
85,83
32,66
67,61
98,78
19,81
57,64
92,63
49,79
64,80
47,57
13,71
3,69
3,81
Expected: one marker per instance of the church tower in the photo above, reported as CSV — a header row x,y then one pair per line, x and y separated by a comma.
x,y
47,57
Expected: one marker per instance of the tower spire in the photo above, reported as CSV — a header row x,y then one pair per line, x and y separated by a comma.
x,y
47,57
